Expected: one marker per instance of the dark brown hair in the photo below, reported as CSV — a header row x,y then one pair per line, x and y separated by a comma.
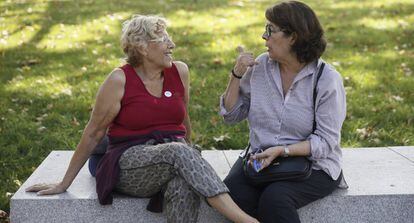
x,y
296,18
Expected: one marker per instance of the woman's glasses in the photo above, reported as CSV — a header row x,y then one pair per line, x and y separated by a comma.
x,y
269,30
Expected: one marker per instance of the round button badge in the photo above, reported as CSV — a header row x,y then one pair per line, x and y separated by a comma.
x,y
167,94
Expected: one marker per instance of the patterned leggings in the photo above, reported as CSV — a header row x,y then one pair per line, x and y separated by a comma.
x,y
175,168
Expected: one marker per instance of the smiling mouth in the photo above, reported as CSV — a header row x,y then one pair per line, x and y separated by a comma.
x,y
169,55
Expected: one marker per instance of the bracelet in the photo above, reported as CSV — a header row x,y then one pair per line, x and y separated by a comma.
x,y
234,75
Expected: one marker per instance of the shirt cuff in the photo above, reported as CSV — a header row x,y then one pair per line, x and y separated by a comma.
x,y
315,146
223,110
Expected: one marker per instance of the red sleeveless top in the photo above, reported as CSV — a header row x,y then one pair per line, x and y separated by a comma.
x,y
142,113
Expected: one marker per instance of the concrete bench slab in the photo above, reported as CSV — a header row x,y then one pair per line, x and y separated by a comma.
x,y
381,189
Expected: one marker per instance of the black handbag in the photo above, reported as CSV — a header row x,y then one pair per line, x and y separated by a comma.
x,y
295,168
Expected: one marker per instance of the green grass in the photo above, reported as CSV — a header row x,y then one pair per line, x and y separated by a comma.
x,y
55,54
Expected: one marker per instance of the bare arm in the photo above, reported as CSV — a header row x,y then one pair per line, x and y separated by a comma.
x,y
185,79
107,106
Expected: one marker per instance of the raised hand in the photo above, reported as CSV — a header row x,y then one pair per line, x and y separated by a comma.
x,y
243,61
46,189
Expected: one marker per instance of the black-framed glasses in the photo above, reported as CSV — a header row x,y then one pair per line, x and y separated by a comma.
x,y
269,30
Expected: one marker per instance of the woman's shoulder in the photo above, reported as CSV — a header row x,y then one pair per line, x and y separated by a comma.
x,y
264,57
182,69
331,73
330,77
116,77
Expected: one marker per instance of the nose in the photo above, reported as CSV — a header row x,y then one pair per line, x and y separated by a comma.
x,y
171,45
265,36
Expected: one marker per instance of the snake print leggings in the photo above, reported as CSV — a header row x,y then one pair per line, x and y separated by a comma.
x,y
175,168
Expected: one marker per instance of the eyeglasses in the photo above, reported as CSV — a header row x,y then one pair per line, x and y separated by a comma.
x,y
164,39
269,30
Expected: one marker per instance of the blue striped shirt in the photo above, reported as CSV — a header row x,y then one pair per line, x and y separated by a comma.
x,y
275,119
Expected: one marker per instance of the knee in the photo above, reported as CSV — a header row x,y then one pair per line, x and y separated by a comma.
x,y
185,156
233,183
235,176
184,148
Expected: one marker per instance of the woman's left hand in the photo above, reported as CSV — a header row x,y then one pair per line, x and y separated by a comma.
x,y
47,189
266,157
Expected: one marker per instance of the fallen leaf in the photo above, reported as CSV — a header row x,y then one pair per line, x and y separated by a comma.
x,y
197,106
218,61
41,129
67,91
336,63
397,98
213,120
221,138
75,121
18,183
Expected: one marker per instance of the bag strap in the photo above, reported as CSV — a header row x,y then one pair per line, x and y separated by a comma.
x,y
314,103
315,93
247,150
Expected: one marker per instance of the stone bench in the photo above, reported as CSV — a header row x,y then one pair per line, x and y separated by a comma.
x,y
381,189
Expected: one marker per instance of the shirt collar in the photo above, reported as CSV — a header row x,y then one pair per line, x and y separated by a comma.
x,y
309,69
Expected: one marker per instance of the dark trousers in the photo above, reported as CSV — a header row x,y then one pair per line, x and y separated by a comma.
x,y
277,201
97,154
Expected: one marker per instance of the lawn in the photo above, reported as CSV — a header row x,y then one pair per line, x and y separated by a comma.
x,y
55,54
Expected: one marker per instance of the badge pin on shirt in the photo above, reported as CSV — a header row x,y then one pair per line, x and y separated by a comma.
x,y
167,94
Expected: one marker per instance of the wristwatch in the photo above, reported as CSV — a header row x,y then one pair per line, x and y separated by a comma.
x,y
286,151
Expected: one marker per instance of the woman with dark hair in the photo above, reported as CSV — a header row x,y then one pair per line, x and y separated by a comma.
x,y
142,107
275,93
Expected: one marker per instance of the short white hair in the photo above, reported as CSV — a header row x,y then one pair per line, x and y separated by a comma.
x,y
137,31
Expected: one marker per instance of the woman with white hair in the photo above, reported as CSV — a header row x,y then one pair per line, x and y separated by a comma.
x,y
142,107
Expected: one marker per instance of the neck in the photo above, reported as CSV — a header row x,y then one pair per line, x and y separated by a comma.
x,y
148,72
291,66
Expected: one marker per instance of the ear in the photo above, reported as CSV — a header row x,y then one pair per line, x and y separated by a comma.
x,y
293,38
